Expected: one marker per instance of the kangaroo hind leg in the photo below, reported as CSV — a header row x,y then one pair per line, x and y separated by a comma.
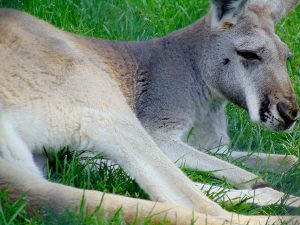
x,y
13,148
44,195
121,136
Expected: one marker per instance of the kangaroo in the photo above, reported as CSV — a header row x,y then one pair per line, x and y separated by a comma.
x,y
135,101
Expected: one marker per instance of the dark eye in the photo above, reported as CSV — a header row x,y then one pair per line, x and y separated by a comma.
x,y
248,55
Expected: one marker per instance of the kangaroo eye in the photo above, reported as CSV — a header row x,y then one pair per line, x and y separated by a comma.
x,y
248,55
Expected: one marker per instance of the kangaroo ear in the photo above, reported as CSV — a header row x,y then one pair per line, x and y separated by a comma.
x,y
226,13
280,8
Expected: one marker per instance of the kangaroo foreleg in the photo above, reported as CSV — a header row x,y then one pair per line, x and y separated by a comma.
x,y
265,162
261,197
183,154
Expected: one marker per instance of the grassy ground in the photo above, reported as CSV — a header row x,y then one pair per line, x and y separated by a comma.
x,y
140,20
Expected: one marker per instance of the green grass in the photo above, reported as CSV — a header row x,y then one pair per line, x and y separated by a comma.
x,y
141,20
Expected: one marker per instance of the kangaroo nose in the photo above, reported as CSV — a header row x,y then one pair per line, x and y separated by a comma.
x,y
288,115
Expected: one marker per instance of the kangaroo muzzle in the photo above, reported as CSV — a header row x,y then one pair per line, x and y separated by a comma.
x,y
289,114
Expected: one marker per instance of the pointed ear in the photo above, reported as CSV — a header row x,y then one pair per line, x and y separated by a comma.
x,y
226,13
280,8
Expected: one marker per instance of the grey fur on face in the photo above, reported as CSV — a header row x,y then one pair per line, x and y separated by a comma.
x,y
244,64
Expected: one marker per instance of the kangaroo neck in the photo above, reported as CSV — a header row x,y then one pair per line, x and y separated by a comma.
x,y
172,63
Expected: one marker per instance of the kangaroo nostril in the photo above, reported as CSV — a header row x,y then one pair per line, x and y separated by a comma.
x,y
283,110
295,114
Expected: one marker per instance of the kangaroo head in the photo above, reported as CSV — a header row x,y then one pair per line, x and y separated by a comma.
x,y
248,64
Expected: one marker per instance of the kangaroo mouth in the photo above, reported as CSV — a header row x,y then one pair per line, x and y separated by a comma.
x,y
264,111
